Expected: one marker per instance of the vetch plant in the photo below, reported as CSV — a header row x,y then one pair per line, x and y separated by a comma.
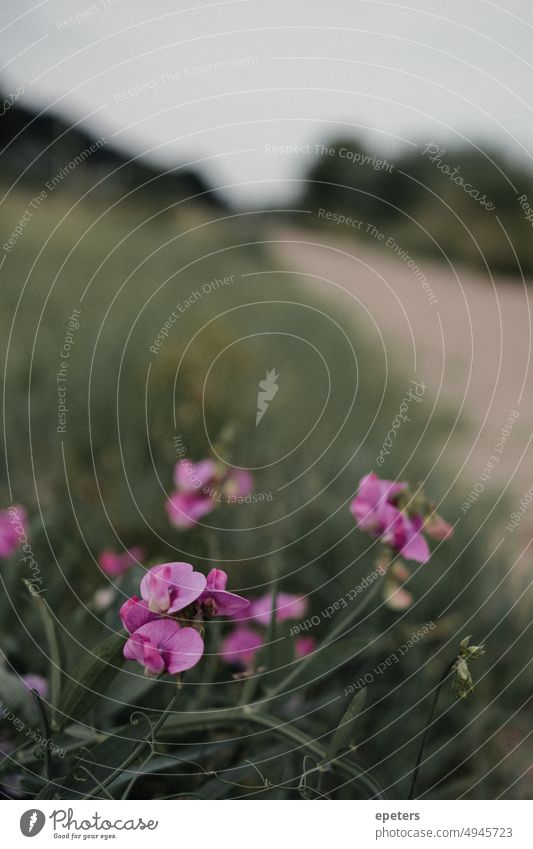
x,y
232,659
399,519
462,686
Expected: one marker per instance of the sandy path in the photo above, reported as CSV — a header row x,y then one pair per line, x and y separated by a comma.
x,y
468,338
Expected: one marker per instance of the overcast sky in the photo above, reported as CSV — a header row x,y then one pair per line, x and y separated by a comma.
x,y
225,81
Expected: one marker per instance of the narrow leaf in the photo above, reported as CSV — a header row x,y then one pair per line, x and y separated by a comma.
x,y
54,655
91,677
345,731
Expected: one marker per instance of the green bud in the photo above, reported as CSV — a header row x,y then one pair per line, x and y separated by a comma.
x,y
462,681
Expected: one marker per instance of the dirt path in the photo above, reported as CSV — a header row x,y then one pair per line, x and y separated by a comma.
x,y
468,338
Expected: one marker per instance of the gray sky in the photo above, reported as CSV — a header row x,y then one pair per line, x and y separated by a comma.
x,y
225,81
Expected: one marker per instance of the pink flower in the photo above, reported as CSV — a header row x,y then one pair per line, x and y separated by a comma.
x,y
200,487
12,529
405,535
304,646
372,499
163,646
171,587
116,565
193,498
288,606
135,613
240,646
190,477
216,600
376,513
36,682
185,509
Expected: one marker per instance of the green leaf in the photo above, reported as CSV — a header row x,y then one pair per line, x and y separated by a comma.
x,y
49,623
91,677
91,769
345,732
94,770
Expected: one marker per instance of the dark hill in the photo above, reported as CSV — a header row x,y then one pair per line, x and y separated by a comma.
x,y
38,148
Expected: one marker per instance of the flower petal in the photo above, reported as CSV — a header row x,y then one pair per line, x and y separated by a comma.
x,y
289,606
185,509
135,613
190,476
183,650
225,603
240,646
217,579
171,587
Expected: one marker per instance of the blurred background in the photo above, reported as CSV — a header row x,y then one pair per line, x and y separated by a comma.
x,y
343,193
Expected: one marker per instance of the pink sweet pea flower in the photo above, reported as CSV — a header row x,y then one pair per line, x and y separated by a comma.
x,y
12,528
216,600
36,682
190,477
185,509
193,498
288,606
199,489
404,534
116,565
135,613
163,646
171,587
370,503
304,646
240,646
375,513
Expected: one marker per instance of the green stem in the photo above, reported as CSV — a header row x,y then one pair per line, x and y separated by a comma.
x,y
140,746
267,651
28,756
239,716
46,728
429,723
212,642
341,626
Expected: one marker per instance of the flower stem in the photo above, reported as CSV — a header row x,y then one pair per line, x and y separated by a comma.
x,y
267,652
141,745
429,723
339,629
243,715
